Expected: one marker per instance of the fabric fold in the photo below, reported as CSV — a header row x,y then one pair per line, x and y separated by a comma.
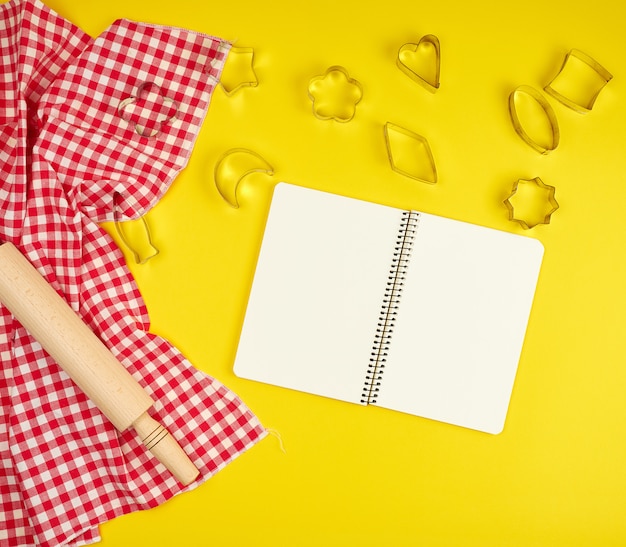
x,y
63,467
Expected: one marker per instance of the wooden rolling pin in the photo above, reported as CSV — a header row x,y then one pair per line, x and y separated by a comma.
x,y
83,356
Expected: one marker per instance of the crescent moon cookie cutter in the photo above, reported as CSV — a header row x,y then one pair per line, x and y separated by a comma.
x,y
579,81
531,202
235,165
335,95
421,61
547,137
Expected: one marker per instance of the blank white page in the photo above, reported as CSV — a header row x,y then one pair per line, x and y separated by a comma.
x,y
317,292
461,323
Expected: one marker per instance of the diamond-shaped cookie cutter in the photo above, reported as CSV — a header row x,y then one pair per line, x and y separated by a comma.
x,y
579,74
408,62
524,210
548,113
409,154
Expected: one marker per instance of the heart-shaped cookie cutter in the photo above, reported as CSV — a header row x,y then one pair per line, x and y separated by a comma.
x,y
405,65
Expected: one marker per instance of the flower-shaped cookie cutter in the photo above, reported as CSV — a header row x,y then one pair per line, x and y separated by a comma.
x,y
238,71
233,167
531,202
409,154
545,140
150,110
421,61
579,81
335,95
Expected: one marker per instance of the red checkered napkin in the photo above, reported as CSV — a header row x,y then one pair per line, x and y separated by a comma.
x,y
80,121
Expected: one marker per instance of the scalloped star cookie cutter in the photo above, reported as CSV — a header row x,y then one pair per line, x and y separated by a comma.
x,y
531,202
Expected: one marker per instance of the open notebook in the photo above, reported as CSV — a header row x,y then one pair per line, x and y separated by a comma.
x,y
371,304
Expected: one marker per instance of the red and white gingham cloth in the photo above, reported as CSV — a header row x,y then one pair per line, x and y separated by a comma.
x,y
83,120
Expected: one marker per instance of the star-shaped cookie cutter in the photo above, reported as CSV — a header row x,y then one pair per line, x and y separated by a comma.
x,y
238,71
531,202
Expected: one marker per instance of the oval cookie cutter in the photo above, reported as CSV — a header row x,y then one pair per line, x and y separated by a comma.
x,y
548,112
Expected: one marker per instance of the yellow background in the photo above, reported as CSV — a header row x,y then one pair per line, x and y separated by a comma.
x,y
556,476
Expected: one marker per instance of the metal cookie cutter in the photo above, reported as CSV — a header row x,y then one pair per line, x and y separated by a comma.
x,y
421,61
233,167
531,202
335,95
547,129
142,249
150,110
409,154
238,71
579,82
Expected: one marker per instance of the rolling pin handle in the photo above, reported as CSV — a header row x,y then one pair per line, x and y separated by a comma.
x,y
160,442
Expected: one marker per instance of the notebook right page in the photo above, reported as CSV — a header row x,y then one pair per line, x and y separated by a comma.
x,y
461,323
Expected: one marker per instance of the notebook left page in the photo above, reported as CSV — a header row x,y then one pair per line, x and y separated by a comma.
x,y
317,292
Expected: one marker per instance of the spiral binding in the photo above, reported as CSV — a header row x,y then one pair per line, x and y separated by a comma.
x,y
390,305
